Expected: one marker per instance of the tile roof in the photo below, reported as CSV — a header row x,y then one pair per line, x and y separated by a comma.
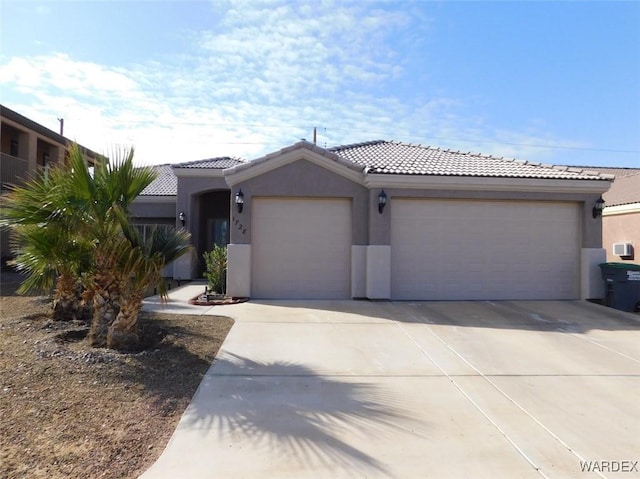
x,y
302,144
166,184
222,163
618,172
624,190
390,157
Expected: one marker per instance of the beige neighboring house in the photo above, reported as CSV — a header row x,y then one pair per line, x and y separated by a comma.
x,y
621,216
28,148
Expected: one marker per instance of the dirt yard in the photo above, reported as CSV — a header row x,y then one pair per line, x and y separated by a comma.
x,y
71,411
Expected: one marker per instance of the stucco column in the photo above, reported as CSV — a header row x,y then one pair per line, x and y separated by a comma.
x,y
239,270
379,272
358,271
591,283
31,150
378,282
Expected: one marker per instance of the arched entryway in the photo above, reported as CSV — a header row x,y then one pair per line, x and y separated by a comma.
x,y
213,223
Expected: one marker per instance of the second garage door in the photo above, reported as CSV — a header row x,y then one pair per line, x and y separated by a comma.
x,y
301,248
457,250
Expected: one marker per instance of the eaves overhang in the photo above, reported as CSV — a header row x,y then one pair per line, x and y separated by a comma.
x,y
199,172
480,183
621,209
156,199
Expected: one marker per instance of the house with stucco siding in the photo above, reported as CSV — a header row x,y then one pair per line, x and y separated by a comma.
x,y
387,220
621,217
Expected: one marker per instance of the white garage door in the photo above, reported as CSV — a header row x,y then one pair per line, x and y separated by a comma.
x,y
450,249
301,248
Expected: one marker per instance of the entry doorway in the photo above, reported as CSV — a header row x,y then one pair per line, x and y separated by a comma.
x,y
217,232
213,225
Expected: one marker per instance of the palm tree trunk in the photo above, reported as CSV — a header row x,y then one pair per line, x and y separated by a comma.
x,y
123,332
106,306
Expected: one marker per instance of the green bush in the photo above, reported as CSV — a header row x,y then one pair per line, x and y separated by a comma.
x,y
216,269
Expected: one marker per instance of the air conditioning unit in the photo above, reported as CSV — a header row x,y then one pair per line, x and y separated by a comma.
x,y
622,249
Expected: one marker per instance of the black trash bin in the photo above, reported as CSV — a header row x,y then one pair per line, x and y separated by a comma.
x,y
622,281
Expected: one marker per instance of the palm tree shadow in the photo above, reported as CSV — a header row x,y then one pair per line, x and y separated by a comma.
x,y
296,414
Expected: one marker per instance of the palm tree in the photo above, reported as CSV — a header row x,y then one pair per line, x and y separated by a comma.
x,y
73,210
100,201
51,258
140,265
44,247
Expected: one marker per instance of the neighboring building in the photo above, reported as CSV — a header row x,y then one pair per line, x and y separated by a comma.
x,y
621,220
26,149
621,216
388,220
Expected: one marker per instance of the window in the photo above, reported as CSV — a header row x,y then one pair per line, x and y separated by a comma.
x,y
146,230
14,147
219,231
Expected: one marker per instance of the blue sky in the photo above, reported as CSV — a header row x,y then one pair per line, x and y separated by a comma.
x,y
556,82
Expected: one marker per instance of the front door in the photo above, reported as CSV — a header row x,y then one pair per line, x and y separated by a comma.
x,y
218,232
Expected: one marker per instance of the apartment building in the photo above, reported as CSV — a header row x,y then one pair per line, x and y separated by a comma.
x,y
28,148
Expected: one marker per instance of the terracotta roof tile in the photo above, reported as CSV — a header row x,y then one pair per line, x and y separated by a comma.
x,y
618,172
166,183
390,157
221,163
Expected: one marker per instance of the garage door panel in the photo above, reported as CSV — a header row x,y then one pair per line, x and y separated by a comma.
x,y
301,248
449,249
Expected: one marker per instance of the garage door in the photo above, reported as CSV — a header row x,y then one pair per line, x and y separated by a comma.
x,y
450,249
301,248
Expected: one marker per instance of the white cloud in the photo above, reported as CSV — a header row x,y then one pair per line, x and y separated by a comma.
x,y
62,73
260,80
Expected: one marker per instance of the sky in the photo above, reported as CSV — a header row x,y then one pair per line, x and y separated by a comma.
x,y
552,82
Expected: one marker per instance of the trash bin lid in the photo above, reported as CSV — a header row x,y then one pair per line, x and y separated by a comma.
x,y
628,266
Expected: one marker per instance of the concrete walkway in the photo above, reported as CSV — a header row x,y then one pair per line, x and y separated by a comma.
x,y
314,389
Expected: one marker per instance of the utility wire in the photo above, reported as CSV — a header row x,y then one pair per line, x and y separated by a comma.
x,y
372,133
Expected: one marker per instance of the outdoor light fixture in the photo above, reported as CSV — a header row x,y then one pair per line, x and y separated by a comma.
x,y
382,200
598,206
240,200
182,218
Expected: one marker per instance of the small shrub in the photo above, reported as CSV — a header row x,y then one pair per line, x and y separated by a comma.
x,y
216,269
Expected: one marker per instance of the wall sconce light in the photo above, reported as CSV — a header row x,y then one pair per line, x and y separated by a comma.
x,y
598,206
182,218
239,200
382,201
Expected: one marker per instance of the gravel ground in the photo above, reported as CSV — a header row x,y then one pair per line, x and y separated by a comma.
x,y
71,411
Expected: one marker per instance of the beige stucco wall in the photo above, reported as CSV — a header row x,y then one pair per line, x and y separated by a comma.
x,y
300,179
151,208
380,231
304,178
621,228
191,187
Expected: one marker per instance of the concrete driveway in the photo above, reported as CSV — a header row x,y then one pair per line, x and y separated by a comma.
x,y
415,390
